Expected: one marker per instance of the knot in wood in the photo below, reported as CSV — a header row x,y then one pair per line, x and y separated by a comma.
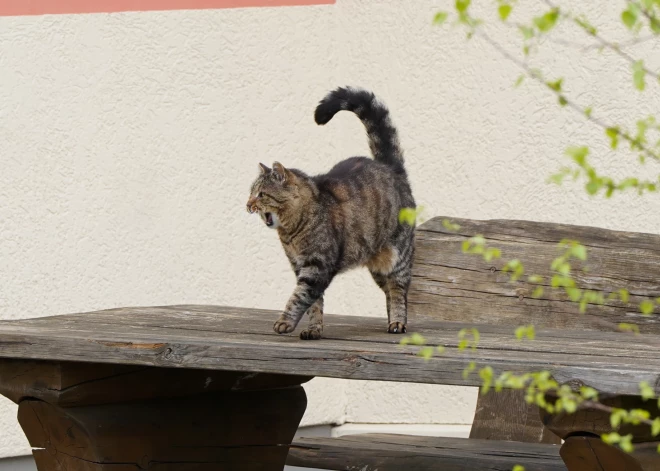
x,y
167,353
574,384
493,269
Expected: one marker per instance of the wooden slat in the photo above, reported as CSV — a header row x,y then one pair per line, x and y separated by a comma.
x,y
396,452
456,286
237,339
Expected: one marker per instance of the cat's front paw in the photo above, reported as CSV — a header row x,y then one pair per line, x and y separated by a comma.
x,y
284,326
311,333
397,328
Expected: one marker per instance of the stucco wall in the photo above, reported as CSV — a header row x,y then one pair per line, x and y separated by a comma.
x,y
128,142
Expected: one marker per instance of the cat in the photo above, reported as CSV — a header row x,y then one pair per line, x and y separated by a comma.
x,y
346,218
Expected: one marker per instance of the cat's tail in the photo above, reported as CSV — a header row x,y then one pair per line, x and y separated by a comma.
x,y
383,138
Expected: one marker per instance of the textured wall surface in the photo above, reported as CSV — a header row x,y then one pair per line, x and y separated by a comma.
x,y
128,142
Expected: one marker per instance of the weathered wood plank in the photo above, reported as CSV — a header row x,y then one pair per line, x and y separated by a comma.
x,y
75,384
597,360
582,453
456,286
597,422
216,431
507,416
396,452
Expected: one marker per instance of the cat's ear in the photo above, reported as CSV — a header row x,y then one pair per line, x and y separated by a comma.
x,y
282,173
263,169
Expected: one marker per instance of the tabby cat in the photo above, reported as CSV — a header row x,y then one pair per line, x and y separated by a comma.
x,y
346,218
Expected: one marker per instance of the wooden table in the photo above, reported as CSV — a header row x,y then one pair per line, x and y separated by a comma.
x,y
213,388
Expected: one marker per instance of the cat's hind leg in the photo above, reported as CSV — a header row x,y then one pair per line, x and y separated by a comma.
x,y
395,283
314,330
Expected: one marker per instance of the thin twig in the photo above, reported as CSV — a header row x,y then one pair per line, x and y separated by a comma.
x,y
531,73
604,42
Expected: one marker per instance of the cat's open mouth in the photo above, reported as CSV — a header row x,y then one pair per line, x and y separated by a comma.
x,y
268,219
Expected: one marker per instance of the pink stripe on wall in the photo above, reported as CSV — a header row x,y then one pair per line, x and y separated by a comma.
x,y
44,7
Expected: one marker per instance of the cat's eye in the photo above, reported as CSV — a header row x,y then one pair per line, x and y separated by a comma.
x,y
259,195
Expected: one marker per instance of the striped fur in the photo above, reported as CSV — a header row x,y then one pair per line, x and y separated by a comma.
x,y
346,218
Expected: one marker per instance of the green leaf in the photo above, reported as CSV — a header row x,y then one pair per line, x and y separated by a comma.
x,y
639,74
564,268
407,216
588,111
626,443
469,369
625,327
417,339
535,279
556,85
426,352
519,80
486,375
538,292
525,331
623,294
578,154
450,226
579,252
492,253
562,100
629,17
462,5
646,307
546,22
613,134
519,467
440,17
592,187
574,294
589,393
655,427
655,25
611,438
504,10
646,391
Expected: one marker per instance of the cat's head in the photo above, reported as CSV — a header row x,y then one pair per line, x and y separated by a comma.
x,y
274,194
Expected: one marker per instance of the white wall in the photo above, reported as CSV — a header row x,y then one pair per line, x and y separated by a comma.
x,y
128,143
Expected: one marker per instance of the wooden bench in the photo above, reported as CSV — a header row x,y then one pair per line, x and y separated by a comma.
x,y
200,388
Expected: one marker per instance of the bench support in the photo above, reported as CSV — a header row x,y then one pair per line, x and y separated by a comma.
x,y
506,415
583,450
104,422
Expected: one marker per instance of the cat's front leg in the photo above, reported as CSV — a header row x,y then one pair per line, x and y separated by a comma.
x,y
312,282
314,330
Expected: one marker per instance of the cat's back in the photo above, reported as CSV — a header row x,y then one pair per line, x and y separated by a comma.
x,y
358,177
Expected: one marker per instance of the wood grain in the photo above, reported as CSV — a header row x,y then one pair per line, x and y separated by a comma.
x,y
397,452
506,415
454,286
76,384
221,431
584,453
235,339
597,422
